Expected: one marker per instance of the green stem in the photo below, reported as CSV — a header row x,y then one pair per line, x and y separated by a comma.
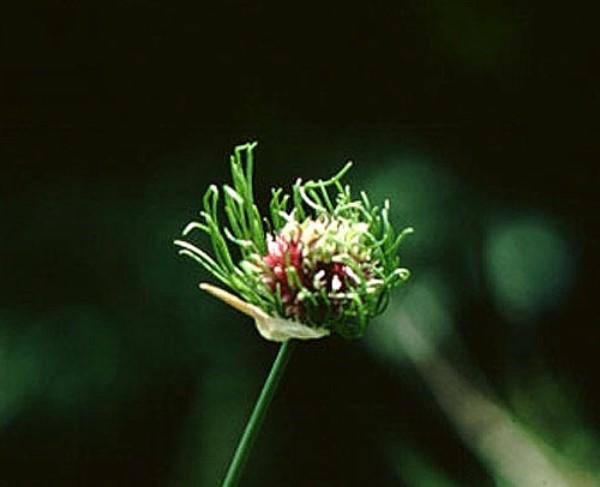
x,y
260,408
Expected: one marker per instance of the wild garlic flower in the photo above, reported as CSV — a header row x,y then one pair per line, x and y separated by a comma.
x,y
325,262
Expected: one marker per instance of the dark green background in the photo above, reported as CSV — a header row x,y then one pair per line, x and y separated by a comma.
x,y
116,370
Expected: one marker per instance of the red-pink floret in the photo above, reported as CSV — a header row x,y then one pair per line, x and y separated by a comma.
x,y
285,252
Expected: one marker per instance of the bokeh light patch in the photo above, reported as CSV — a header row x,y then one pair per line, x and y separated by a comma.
x,y
529,266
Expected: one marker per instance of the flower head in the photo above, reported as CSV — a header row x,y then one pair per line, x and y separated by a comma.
x,y
327,264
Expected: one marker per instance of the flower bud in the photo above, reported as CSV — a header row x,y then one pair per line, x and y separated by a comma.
x,y
327,265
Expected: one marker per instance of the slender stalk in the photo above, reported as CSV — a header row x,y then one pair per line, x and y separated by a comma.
x,y
258,414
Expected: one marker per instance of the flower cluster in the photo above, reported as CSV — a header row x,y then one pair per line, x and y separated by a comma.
x,y
327,263
316,266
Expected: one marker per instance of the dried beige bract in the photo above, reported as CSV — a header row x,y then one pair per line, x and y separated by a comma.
x,y
271,328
